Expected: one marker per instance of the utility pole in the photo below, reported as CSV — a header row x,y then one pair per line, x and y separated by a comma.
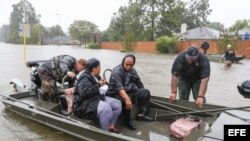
x,y
60,32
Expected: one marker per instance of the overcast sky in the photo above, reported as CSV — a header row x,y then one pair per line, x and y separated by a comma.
x,y
100,11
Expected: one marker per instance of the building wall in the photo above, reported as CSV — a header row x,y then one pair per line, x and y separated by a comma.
x,y
242,47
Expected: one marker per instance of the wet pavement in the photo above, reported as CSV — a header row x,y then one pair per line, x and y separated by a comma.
x,y
154,69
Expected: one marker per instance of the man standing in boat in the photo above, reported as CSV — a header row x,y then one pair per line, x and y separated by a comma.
x,y
190,71
54,70
125,84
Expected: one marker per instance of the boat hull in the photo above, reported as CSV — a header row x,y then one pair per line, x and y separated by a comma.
x,y
46,113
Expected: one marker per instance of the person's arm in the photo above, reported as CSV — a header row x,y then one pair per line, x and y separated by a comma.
x,y
174,84
223,57
205,74
117,79
126,98
175,71
202,92
203,87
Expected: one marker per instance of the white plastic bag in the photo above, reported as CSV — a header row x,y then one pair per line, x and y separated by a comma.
x,y
103,89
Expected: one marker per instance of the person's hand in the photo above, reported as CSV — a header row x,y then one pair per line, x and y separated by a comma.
x,y
199,102
172,97
102,82
128,104
71,74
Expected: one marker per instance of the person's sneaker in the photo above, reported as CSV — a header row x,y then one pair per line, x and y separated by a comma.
x,y
115,130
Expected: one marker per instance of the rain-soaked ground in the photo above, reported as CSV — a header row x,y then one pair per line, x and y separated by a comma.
x,y
154,70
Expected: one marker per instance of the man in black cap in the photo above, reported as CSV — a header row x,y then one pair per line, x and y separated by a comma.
x,y
190,71
204,47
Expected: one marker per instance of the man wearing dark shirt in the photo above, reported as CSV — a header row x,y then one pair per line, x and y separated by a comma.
x,y
190,71
229,56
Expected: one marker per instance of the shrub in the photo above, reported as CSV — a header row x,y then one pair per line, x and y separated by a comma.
x,y
93,46
129,42
223,42
165,44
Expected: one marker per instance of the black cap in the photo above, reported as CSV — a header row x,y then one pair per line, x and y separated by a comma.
x,y
91,63
192,52
205,45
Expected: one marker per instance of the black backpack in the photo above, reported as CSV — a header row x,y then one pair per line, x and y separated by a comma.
x,y
244,88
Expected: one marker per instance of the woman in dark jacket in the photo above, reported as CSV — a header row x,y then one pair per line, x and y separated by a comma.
x,y
90,103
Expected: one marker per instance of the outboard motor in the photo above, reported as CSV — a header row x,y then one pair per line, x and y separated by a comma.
x,y
244,88
35,79
18,85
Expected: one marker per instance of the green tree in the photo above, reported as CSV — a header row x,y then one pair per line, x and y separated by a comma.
x,y
83,30
239,24
127,19
4,33
197,13
55,31
22,12
172,16
38,32
216,25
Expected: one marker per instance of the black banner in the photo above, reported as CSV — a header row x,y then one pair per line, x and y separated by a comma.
x,y
236,132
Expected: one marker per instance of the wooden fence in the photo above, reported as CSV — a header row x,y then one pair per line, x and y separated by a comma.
x,y
242,47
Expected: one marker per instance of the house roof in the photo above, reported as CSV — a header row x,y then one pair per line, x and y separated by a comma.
x,y
244,31
201,33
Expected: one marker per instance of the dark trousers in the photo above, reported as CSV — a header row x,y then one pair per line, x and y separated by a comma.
x,y
141,98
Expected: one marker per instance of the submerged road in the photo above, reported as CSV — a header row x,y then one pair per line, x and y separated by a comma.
x,y
154,69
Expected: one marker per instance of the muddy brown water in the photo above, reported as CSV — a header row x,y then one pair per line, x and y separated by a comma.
x,y
154,70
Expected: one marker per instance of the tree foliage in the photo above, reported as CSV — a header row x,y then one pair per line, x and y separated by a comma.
x,y
22,12
149,19
239,24
54,31
216,25
83,30
166,44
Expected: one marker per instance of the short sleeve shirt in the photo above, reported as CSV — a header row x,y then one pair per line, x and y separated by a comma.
x,y
198,70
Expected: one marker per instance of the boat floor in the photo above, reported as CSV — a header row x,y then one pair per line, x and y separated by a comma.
x,y
150,131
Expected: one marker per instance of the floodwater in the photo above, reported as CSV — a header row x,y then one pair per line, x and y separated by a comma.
x,y
154,69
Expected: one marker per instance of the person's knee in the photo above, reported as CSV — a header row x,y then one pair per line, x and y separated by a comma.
x,y
145,93
106,108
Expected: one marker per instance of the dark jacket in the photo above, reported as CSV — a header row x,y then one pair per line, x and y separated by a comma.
x,y
60,65
87,95
230,55
122,80
198,70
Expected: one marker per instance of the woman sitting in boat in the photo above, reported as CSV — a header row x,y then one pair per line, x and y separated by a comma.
x,y
90,101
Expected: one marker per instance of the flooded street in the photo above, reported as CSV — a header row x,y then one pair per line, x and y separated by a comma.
x,y
154,69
